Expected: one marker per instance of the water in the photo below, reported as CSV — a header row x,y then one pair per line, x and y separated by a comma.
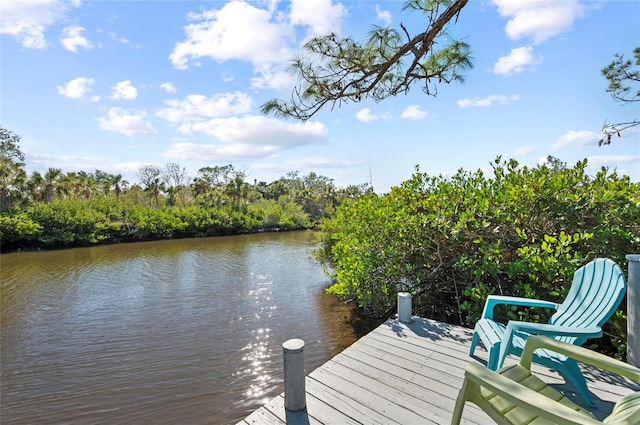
x,y
185,331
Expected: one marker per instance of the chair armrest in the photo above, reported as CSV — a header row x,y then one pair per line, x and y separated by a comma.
x,y
520,395
581,354
494,300
553,330
540,328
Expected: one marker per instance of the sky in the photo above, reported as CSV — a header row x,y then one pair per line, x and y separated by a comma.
x,y
115,85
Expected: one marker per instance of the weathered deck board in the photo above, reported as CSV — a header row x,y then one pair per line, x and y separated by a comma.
x,y
410,374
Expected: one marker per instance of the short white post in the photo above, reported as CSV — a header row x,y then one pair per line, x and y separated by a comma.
x,y
404,307
294,389
633,310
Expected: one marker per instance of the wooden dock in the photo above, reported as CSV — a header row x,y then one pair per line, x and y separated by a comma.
x,y
410,374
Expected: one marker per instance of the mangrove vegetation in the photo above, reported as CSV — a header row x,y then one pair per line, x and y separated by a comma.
x,y
452,241
57,209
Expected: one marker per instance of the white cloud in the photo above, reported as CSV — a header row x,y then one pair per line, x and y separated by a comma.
x,y
130,124
488,101
46,157
611,160
538,19
72,39
365,115
219,152
259,130
311,164
384,16
236,31
525,150
414,112
272,79
168,87
227,77
77,88
27,20
320,162
321,16
246,138
198,107
518,59
112,35
124,90
577,138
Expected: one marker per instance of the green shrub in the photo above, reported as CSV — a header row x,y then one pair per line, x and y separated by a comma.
x,y
451,241
76,222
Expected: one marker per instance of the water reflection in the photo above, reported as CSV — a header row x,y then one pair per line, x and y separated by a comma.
x,y
186,331
258,352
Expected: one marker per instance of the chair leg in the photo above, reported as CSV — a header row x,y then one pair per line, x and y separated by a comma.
x,y
460,402
474,342
494,356
573,372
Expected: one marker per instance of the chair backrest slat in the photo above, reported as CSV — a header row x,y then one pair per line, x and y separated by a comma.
x,y
596,291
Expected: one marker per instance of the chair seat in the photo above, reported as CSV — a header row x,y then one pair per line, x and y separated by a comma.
x,y
491,334
519,415
513,395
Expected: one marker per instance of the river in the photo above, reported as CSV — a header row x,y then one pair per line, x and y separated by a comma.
x,y
179,331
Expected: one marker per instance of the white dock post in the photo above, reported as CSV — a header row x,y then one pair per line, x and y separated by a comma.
x,y
404,307
294,389
633,310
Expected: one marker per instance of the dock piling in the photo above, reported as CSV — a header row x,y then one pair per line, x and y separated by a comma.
x,y
294,388
633,311
404,307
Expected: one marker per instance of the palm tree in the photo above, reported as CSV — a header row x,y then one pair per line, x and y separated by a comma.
x,y
171,193
34,186
118,183
154,187
103,181
52,179
237,189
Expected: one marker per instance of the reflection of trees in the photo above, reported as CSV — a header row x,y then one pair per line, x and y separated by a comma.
x,y
345,321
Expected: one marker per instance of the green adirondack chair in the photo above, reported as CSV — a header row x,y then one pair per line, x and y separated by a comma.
x,y
513,395
596,291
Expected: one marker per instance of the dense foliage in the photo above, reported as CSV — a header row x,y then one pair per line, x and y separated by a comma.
x,y
451,241
79,222
57,209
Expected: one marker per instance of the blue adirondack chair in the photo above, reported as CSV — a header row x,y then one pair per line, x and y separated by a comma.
x,y
596,291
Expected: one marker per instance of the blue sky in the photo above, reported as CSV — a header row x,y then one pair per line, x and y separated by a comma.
x,y
113,85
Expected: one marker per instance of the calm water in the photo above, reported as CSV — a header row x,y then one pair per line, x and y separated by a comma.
x,y
186,331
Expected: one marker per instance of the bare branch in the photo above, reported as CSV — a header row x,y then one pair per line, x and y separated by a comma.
x,y
610,130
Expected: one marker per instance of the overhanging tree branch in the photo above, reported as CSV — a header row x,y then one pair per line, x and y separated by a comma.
x,y
333,69
620,73
609,130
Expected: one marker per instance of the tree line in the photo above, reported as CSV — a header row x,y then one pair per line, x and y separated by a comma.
x,y
58,209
